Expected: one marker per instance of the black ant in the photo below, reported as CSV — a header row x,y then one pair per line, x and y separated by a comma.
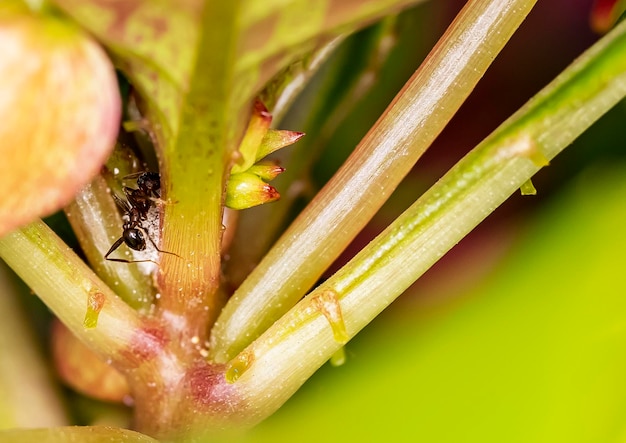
x,y
138,203
148,192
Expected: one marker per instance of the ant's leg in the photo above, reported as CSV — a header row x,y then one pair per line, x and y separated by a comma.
x,y
115,245
135,200
160,250
160,201
122,260
133,175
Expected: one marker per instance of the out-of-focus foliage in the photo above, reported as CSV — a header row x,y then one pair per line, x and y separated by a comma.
x,y
73,434
535,353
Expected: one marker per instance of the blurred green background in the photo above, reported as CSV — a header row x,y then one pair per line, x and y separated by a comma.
x,y
533,352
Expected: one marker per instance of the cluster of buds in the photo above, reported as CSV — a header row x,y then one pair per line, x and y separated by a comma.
x,y
248,184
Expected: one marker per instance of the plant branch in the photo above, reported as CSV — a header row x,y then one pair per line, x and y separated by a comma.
x,y
296,345
349,75
376,167
194,167
95,219
280,93
69,288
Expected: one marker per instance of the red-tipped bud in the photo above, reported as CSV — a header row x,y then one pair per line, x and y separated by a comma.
x,y
275,140
604,14
60,112
266,171
257,128
246,190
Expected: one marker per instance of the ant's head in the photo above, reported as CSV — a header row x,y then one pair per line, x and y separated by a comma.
x,y
134,239
150,181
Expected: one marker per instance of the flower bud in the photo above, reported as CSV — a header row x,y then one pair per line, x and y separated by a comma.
x,y
83,370
246,190
276,139
257,128
266,171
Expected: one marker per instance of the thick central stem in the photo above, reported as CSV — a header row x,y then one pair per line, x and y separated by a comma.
x,y
194,167
176,397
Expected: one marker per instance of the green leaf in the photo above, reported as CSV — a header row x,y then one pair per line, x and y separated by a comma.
x,y
246,190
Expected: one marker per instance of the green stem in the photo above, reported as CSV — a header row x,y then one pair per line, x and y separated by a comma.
x,y
295,346
68,287
351,73
194,166
279,94
95,219
387,153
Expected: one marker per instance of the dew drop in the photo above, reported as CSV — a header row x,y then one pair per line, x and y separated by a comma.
x,y
327,302
95,302
238,366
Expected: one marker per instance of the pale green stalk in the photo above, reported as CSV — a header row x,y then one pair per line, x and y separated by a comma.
x,y
279,94
342,84
363,184
95,219
66,284
275,365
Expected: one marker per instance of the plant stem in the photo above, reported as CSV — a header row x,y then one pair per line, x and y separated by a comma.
x,y
376,167
68,287
95,220
296,345
342,84
279,94
194,166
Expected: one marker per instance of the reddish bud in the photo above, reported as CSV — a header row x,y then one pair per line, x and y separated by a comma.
x,y
604,14
266,171
257,128
246,190
275,140
83,370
